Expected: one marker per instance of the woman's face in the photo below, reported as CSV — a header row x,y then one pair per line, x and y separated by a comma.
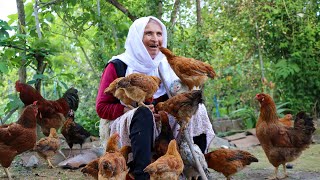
x,y
152,38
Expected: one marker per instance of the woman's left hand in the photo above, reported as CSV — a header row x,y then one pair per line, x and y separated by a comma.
x,y
156,116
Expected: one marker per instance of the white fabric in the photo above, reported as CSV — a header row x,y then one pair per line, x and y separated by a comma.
x,y
137,58
199,124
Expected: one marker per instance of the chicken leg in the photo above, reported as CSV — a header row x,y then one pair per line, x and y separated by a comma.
x,y
275,174
8,173
50,164
284,171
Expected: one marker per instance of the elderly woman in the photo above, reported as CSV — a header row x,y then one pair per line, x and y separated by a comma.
x,y
137,127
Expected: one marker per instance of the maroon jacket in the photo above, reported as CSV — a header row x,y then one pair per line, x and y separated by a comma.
x,y
108,106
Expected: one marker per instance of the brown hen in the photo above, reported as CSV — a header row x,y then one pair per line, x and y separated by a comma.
x,y
182,106
168,166
228,162
282,144
18,137
192,72
113,164
133,88
47,147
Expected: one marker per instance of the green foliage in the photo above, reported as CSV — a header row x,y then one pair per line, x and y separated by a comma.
x,y
77,42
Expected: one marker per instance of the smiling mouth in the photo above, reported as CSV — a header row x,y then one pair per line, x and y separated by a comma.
x,y
154,46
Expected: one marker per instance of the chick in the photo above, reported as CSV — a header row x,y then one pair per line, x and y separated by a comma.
x,y
47,147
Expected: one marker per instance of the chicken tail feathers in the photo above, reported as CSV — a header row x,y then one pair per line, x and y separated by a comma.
x,y
71,95
211,72
304,122
197,96
166,52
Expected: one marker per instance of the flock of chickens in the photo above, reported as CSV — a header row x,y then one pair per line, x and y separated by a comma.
x,y
281,140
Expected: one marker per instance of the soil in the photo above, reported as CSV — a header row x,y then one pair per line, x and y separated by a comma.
x,y
306,167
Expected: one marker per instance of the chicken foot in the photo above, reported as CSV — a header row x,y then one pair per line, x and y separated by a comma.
x,y
284,171
60,152
8,173
275,174
50,164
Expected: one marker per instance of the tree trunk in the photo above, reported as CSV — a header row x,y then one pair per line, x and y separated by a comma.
x,y
173,19
21,24
199,21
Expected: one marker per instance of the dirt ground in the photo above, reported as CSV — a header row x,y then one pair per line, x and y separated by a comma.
x,y
306,167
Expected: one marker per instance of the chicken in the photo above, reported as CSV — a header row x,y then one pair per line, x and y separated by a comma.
x,y
228,161
178,87
47,147
112,165
51,113
192,72
190,167
92,168
73,132
133,88
166,135
168,166
282,144
18,137
286,120
182,106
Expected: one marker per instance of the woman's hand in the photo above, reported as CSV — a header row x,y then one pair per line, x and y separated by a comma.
x,y
156,116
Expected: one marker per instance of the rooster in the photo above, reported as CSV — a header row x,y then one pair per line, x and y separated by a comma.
x,y
182,106
192,72
168,166
73,132
228,161
51,113
133,88
18,137
282,144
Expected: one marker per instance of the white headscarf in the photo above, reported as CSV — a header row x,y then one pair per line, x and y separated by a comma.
x,y
137,58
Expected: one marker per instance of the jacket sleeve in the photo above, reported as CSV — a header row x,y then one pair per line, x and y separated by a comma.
x,y
108,106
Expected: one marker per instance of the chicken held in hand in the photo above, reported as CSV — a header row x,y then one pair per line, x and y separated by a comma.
x,y
73,132
168,166
182,106
47,147
52,113
192,72
228,161
282,144
18,137
134,88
